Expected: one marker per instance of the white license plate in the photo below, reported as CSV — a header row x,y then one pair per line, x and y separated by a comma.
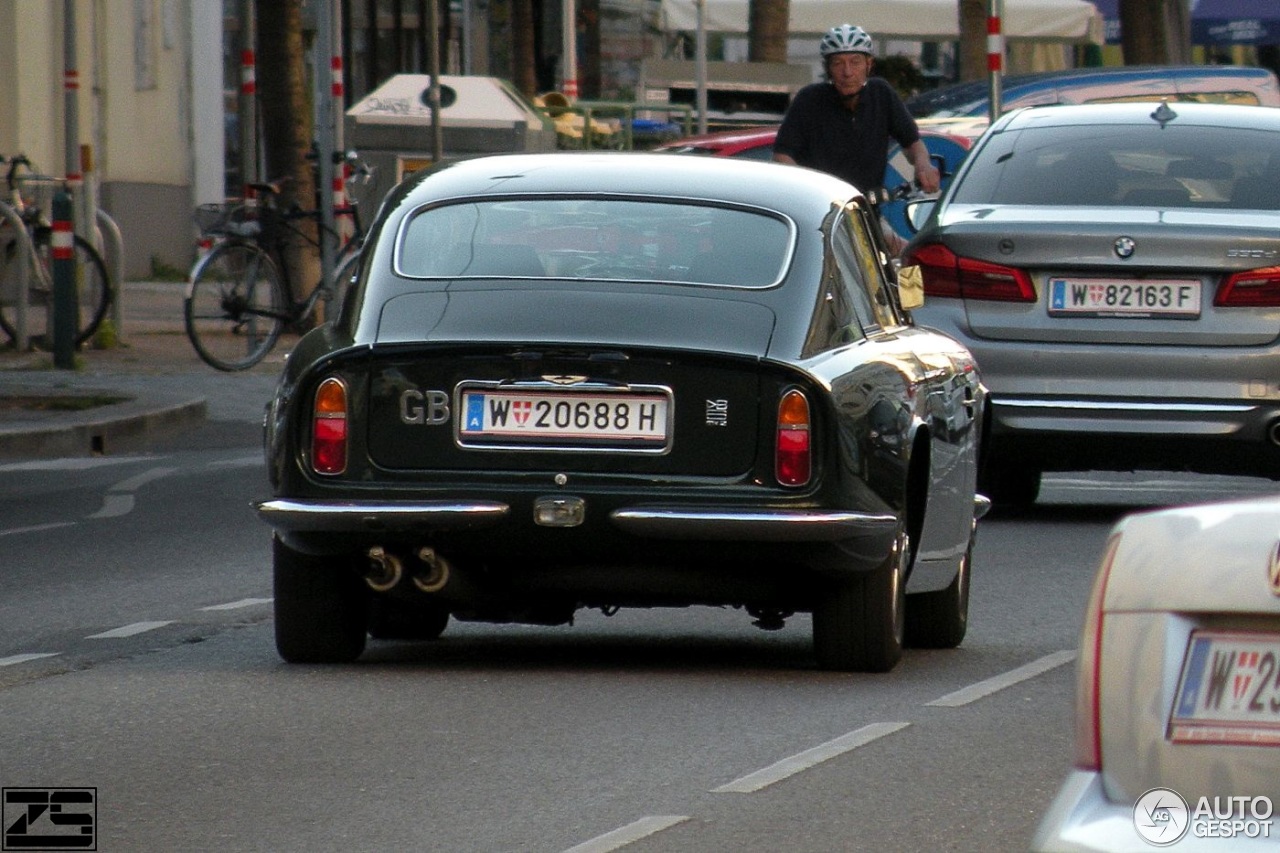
x,y
1104,297
1229,691
554,418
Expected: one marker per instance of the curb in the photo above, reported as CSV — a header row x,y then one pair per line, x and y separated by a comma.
x,y
107,429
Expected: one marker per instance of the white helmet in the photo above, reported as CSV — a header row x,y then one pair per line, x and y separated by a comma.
x,y
846,39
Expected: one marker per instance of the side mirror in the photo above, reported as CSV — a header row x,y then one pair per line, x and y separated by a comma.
x,y
918,212
910,287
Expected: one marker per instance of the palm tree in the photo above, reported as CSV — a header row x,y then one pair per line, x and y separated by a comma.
x,y
768,26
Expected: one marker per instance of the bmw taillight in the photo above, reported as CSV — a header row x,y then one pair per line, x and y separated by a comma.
x,y
329,428
947,274
1258,288
1088,751
793,454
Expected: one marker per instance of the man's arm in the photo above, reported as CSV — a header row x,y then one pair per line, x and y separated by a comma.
x,y
926,173
784,158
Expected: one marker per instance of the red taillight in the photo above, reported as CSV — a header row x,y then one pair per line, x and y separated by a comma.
x,y
793,457
329,428
947,274
1258,288
1088,752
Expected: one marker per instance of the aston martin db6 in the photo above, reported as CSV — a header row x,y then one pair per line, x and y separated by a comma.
x,y
604,380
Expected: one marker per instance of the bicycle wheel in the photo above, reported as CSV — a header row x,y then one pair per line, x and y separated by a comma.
x,y
93,292
235,306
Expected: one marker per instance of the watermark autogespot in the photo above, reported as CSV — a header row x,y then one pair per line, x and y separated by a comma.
x,y
1163,818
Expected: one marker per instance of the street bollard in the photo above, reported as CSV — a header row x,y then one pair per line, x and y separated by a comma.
x,y
66,310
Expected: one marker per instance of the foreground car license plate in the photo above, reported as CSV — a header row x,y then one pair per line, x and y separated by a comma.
x,y
1229,691
538,418
1104,297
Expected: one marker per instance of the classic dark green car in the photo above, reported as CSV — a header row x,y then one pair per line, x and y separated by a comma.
x,y
603,380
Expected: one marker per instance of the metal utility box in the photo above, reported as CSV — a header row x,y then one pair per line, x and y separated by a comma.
x,y
738,93
391,126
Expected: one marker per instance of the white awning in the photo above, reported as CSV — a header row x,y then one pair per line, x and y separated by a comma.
x,y
907,20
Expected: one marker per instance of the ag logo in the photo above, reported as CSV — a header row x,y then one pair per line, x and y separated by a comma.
x,y
1161,817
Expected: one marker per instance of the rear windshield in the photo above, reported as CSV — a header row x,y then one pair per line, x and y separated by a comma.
x,y
1189,166
599,239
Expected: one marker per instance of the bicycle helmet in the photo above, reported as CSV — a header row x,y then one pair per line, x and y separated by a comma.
x,y
846,39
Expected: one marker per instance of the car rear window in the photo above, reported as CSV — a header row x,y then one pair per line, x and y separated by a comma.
x,y
1186,166
597,239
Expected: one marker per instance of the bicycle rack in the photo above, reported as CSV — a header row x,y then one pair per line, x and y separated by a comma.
x,y
21,282
112,243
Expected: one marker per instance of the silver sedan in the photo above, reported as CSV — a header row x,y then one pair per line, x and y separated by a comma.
x,y
1115,269
1178,691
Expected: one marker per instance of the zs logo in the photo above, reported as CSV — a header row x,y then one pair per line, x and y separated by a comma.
x,y
418,407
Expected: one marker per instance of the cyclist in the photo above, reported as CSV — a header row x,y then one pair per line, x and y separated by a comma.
x,y
842,125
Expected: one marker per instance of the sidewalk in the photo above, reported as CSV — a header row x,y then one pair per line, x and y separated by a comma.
x,y
118,399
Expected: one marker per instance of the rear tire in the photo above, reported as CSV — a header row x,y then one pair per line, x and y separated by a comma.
x,y
235,306
93,292
940,619
320,607
858,626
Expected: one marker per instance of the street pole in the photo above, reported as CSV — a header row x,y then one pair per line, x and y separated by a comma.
x,y
323,53
247,102
995,56
569,63
700,65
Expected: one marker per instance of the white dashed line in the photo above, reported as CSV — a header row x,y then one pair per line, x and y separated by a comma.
x,y
810,757
128,630
632,832
36,528
17,659
974,692
236,605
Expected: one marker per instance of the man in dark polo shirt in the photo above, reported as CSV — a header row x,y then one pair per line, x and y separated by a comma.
x,y
842,125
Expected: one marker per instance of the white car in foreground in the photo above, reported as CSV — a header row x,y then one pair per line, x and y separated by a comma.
x,y
1178,695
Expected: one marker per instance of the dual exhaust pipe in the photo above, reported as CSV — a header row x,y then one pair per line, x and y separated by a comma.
x,y
430,572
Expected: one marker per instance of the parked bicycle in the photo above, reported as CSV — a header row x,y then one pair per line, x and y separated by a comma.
x,y
30,196
238,301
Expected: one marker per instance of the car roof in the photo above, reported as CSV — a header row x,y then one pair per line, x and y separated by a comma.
x,y
970,97
1137,112
770,185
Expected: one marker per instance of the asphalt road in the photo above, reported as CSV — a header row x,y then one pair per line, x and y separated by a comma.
x,y
136,660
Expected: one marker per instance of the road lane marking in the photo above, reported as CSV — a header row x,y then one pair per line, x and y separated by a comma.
x,y
114,506
128,630
36,528
17,659
73,463
136,482
236,605
632,832
809,758
974,692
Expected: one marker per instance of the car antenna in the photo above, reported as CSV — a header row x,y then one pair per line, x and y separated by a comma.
x,y
1164,114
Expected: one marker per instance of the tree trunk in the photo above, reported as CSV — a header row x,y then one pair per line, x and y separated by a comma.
x,y
523,61
769,25
287,124
973,39
1155,32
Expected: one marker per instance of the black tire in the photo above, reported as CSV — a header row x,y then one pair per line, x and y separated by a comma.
x,y
1009,485
858,626
940,619
235,307
320,607
93,293
393,619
